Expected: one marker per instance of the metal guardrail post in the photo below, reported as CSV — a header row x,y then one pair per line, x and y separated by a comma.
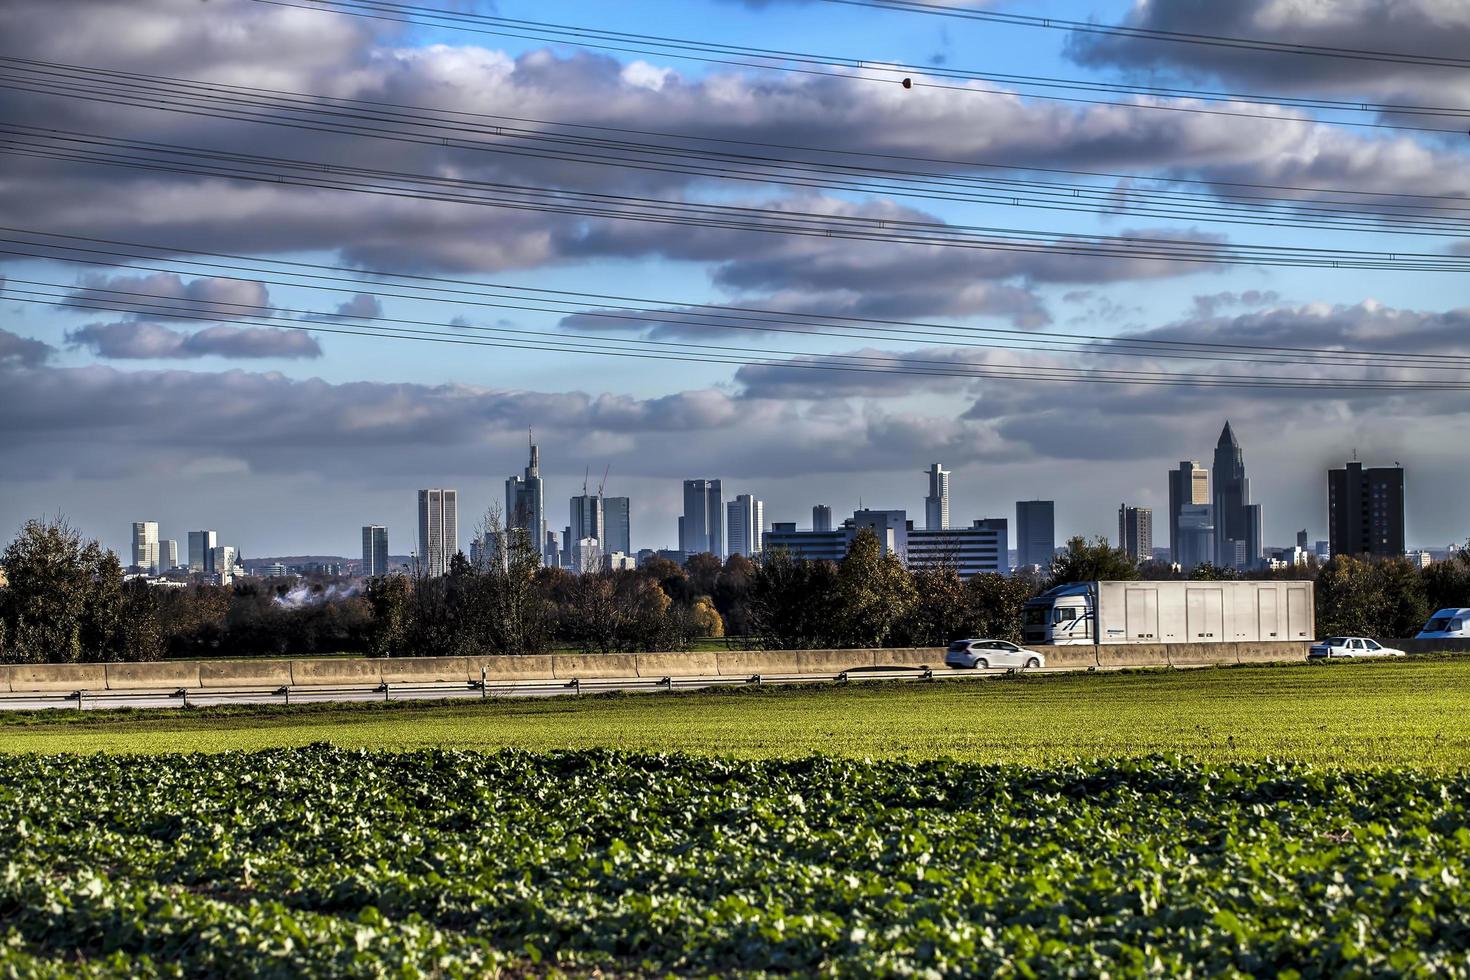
x,y
927,675
667,682
384,688
754,679
184,694
78,696
575,684
285,691
484,683
842,677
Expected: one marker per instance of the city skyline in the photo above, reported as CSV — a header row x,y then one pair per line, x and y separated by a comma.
x,y
1187,484
200,415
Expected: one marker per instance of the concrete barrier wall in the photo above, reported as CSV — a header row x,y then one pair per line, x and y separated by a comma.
x,y
245,673
1072,657
342,672
1202,654
591,666
160,675
426,670
504,670
656,665
1265,653
357,672
932,657
58,677
1130,654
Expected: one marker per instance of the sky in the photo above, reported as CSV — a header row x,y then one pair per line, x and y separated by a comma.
x,y
207,383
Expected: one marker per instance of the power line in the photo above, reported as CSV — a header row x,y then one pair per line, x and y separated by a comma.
x,y
423,113
543,300
708,353
842,67
547,141
1155,34
154,156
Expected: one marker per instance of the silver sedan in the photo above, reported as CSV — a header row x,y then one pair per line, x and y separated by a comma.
x,y
984,654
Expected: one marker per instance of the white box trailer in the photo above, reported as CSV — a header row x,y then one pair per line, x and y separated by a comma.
x,y
1171,612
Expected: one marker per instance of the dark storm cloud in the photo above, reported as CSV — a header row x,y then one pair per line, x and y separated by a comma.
x,y
137,340
269,424
1049,420
18,350
260,44
1417,27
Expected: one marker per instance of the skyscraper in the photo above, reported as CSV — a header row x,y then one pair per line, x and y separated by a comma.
x,y
936,504
145,545
587,517
201,550
1036,533
700,529
1237,521
525,503
438,529
1136,532
374,550
821,518
1189,487
616,526
222,560
747,521
1365,511
168,555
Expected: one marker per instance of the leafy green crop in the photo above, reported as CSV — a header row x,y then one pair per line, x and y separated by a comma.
x,y
323,861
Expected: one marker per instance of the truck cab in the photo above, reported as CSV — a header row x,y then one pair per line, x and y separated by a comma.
x,y
1446,624
1060,616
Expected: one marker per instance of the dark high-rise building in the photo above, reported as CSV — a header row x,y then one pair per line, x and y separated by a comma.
x,y
1036,533
525,502
1136,532
587,517
616,526
1365,511
1237,520
374,550
701,528
1191,517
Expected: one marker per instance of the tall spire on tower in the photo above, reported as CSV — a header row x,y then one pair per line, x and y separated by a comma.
x,y
1227,436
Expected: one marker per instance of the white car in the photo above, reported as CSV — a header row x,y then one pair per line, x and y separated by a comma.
x,y
984,654
1350,646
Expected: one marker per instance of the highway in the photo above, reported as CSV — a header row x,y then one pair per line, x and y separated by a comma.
x,y
196,697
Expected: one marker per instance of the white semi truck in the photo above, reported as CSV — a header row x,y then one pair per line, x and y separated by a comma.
x,y
1171,612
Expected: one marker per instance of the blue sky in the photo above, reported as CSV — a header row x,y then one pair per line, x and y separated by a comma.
x,y
290,454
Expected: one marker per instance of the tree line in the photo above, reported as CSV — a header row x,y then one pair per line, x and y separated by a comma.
x,y
66,601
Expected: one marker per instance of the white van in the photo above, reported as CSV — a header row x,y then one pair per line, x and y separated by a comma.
x,y
1447,624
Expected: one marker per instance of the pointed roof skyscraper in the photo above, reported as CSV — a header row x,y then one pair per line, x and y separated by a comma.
x,y
1227,437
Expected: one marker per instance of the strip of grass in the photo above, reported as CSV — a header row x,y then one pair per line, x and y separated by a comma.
x,y
1369,715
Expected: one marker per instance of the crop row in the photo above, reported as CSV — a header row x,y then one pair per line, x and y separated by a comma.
x,y
327,862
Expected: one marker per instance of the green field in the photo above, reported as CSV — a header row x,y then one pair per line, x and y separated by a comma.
x,y
325,862
1406,713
